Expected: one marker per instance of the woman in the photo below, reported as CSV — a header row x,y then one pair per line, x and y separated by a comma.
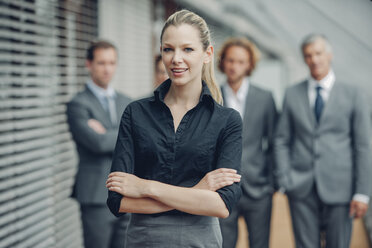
x,y
177,155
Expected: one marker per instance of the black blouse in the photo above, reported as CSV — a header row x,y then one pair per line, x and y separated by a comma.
x,y
208,137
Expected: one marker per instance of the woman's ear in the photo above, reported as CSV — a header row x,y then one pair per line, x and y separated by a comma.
x,y
208,55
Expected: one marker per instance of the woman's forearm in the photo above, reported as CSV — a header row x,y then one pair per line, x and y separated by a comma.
x,y
189,200
142,206
149,196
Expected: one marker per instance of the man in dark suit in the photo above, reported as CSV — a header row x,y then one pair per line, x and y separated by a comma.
x,y
94,117
322,150
256,106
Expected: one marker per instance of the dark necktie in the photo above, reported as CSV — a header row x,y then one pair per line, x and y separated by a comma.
x,y
319,104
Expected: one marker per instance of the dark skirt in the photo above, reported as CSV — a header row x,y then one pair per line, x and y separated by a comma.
x,y
173,231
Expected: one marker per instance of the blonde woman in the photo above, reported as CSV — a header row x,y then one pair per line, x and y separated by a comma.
x,y
178,152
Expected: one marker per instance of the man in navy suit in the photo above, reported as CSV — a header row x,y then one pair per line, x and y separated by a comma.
x,y
94,117
322,149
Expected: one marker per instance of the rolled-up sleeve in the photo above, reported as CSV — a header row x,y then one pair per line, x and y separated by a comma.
x,y
229,156
123,159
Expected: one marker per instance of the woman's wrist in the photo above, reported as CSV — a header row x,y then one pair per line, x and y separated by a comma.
x,y
149,188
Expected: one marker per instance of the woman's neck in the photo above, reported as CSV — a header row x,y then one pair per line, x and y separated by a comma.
x,y
186,95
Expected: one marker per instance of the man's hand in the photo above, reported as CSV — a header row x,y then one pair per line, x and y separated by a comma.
x,y
96,126
358,209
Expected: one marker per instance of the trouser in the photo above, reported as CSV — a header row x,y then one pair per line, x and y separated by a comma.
x,y
257,216
315,222
101,229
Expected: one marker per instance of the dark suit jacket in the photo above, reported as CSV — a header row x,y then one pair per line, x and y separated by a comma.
x,y
95,150
258,132
334,154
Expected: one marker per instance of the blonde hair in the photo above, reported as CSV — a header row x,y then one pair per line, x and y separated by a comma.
x,y
254,53
190,18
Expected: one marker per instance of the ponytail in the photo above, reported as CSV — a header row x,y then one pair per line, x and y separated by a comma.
x,y
210,80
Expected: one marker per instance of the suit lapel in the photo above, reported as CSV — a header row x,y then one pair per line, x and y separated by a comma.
x,y
304,99
250,101
119,106
222,88
331,103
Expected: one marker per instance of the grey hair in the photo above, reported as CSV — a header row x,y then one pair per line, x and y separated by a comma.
x,y
311,38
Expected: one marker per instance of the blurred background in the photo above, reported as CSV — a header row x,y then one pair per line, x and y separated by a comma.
x,y
42,65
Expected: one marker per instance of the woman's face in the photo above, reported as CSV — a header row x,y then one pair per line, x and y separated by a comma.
x,y
183,54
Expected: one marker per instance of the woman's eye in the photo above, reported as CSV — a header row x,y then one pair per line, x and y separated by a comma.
x,y
188,49
166,49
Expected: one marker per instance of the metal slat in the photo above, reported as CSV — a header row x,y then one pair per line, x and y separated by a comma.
x,y
26,235
27,156
21,180
49,242
9,46
28,210
32,112
21,202
37,80
33,133
26,145
38,237
35,102
25,189
23,227
33,165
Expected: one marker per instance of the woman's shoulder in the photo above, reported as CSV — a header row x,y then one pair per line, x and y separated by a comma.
x,y
140,103
228,114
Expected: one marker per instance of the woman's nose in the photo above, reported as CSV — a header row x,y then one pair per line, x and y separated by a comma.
x,y
177,57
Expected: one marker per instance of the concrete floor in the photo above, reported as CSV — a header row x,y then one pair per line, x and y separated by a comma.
x,y
281,228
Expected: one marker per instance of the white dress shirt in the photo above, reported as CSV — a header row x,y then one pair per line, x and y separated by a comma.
x,y
327,83
237,100
101,93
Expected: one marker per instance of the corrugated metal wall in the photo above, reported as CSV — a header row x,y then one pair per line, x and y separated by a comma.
x,y
42,49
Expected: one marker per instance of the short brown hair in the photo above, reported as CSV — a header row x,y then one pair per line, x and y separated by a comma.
x,y
157,60
98,45
254,53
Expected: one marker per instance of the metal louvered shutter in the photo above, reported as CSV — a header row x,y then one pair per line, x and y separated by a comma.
x,y
129,24
42,50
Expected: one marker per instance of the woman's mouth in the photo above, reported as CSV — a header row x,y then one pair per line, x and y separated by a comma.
x,y
178,71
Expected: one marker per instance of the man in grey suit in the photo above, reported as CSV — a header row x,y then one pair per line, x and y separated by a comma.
x,y
94,117
238,58
323,151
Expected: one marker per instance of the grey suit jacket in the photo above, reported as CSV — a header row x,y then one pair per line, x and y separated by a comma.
x,y
95,150
334,153
258,131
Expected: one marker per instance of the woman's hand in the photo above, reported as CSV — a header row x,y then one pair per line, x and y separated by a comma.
x,y
218,178
126,184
